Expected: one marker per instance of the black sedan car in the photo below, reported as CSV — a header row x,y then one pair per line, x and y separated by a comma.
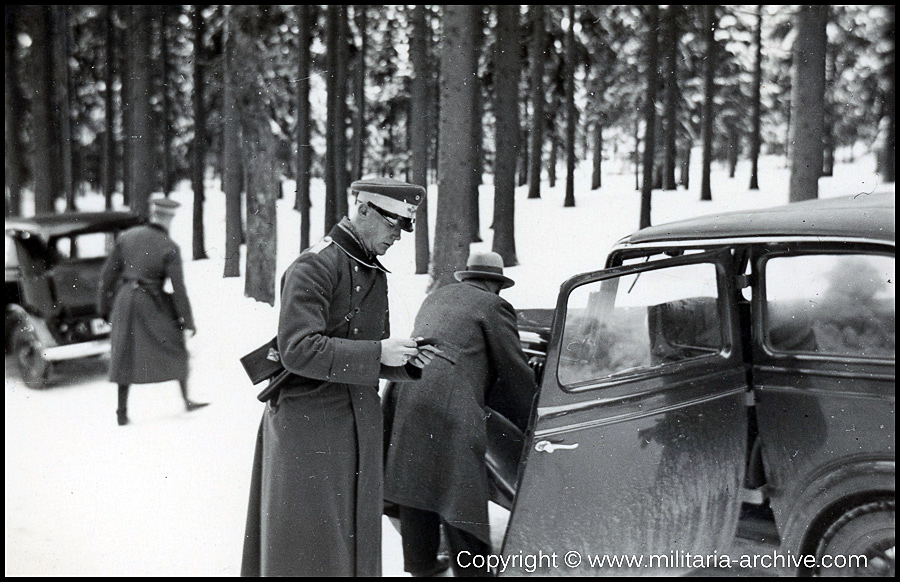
x,y
53,264
727,382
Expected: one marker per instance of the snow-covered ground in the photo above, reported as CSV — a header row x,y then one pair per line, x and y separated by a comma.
x,y
167,495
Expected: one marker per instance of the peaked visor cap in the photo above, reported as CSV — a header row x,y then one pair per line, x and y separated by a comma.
x,y
397,198
164,206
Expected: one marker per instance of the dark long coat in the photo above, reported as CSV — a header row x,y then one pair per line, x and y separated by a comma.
x,y
435,457
316,490
147,322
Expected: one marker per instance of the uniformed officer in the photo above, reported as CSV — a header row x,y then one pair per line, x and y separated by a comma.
x,y
316,489
148,324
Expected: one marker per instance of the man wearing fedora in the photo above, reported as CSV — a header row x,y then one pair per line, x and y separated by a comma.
x,y
316,496
148,324
435,469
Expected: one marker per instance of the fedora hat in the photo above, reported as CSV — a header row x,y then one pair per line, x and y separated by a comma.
x,y
485,265
397,199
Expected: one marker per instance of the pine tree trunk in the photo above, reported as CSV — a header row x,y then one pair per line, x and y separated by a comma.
x,y
477,112
141,174
168,167
15,111
757,115
570,110
596,175
419,127
670,28
888,168
359,117
709,73
109,134
536,74
262,193
506,109
686,165
650,115
455,180
331,59
734,148
304,147
808,102
198,169
62,105
232,167
340,116
554,155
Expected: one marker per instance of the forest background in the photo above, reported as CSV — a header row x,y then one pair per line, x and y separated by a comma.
x,y
129,100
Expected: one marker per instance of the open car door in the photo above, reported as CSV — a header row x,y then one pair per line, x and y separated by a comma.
x,y
635,456
35,282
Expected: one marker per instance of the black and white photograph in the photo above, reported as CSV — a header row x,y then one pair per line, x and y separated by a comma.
x,y
450,290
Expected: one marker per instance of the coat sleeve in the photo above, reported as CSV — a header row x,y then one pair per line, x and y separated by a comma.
x,y
303,340
175,272
514,387
109,278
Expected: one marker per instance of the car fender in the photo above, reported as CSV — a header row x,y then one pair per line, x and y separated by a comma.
x,y
16,315
827,495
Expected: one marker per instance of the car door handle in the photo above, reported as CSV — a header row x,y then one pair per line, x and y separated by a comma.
x,y
548,447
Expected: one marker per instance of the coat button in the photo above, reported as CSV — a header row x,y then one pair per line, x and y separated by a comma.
x,y
358,288
355,330
356,267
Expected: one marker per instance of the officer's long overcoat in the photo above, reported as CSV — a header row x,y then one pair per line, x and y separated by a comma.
x,y
147,322
435,457
316,489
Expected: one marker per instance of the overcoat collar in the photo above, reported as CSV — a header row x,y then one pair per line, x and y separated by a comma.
x,y
158,227
343,236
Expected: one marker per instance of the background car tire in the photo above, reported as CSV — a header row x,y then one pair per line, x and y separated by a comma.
x,y
33,367
866,530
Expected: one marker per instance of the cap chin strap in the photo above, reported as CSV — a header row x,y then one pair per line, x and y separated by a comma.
x,y
398,207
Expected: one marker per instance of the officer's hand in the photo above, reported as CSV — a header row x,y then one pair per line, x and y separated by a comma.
x,y
397,351
426,353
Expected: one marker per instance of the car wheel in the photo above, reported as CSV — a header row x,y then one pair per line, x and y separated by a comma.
x,y
866,530
33,366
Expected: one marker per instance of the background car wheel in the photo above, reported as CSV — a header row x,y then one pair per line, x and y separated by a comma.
x,y
33,367
867,530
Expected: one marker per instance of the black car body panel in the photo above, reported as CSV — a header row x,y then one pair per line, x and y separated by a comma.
x,y
678,418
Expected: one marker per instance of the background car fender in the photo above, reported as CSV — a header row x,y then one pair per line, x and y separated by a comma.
x,y
17,316
828,495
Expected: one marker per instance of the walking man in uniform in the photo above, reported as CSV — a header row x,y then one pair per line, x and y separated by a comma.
x,y
148,324
435,469
316,488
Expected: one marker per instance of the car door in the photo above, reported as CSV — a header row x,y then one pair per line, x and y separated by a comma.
x,y
35,286
636,451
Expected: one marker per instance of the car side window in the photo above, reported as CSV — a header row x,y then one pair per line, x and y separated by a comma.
x,y
639,321
830,304
12,258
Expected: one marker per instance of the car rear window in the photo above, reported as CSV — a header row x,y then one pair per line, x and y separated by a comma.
x,y
91,245
831,305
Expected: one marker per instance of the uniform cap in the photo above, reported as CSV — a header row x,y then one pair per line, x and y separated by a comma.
x,y
399,199
163,206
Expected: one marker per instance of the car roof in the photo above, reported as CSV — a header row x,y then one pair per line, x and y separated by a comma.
x,y
69,223
863,217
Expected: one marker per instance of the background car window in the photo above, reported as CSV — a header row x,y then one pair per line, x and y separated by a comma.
x,y
86,246
634,322
831,305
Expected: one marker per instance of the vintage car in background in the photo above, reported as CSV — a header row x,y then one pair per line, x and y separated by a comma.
x,y
53,264
727,380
